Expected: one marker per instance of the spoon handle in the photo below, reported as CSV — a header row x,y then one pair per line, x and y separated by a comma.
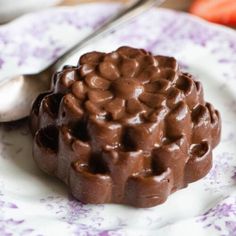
x,y
122,17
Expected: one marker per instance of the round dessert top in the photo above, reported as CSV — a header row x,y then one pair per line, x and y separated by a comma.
x,y
127,99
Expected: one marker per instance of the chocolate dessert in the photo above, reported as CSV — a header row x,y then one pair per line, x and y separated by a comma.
x,y
124,127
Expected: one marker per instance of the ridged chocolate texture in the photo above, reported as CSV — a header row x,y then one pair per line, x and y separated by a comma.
x,y
124,127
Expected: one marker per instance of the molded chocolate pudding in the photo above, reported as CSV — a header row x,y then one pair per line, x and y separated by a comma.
x,y
124,127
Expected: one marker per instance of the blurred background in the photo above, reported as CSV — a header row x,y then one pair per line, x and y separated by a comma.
x,y
9,9
217,11
176,4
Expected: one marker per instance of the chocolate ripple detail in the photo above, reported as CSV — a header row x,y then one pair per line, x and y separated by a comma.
x,y
124,127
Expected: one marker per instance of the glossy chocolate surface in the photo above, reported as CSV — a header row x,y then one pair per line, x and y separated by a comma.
x,y
124,127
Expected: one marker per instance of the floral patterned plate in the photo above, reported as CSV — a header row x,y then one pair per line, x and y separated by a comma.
x,y
32,203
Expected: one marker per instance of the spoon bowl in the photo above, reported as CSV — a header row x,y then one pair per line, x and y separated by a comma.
x,y
23,89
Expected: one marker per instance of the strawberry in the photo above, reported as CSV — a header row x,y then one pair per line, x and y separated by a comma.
x,y
218,11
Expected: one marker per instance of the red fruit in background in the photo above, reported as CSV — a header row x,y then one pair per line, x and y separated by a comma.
x,y
218,11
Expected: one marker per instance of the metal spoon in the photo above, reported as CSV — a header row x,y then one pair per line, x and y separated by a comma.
x,y
17,93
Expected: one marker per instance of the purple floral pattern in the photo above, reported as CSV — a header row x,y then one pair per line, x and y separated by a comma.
x,y
34,204
82,219
10,224
221,217
42,45
222,173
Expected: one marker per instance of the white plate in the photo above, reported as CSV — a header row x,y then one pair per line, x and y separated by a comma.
x,y
11,9
32,203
